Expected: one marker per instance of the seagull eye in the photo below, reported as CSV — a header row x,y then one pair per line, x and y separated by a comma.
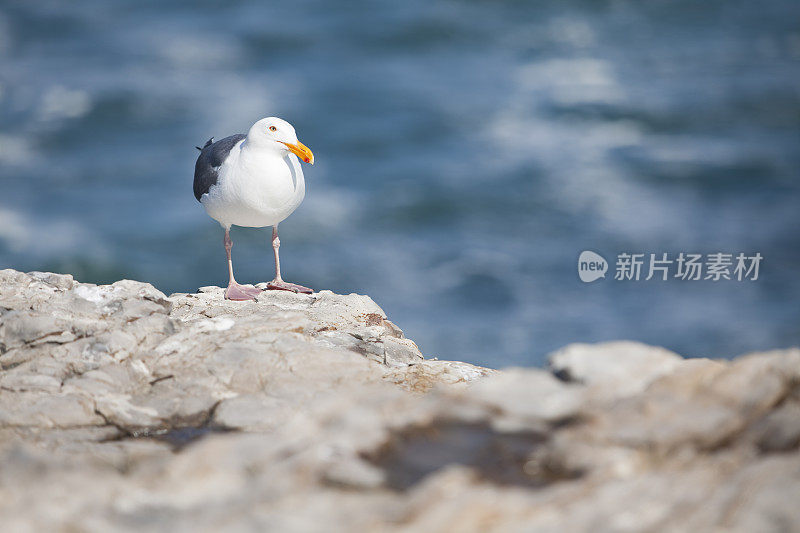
x,y
273,128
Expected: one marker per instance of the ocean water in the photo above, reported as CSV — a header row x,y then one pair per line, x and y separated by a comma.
x,y
467,152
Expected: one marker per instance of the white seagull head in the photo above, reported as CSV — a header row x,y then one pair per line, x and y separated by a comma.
x,y
273,133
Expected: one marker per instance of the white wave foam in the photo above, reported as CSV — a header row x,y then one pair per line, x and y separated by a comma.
x,y
572,81
21,233
15,150
60,102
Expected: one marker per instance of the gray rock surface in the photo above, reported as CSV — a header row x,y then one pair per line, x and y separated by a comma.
x,y
623,368
122,409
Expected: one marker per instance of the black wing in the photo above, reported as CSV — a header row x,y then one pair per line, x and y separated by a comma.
x,y
206,170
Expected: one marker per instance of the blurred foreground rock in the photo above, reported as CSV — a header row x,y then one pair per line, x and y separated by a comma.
x,y
124,409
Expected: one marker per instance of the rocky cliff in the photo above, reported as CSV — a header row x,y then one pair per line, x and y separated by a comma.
x,y
124,409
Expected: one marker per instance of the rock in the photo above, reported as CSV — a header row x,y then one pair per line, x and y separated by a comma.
x,y
424,375
46,410
622,368
253,412
353,322
520,396
122,409
779,431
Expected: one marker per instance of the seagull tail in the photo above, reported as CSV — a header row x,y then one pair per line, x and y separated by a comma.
x,y
208,143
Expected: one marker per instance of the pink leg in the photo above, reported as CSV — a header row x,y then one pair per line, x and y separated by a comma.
x,y
278,284
234,290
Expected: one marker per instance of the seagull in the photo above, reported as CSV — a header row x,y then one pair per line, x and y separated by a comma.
x,y
254,181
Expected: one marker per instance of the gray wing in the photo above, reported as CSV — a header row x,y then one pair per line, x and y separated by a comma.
x,y
206,170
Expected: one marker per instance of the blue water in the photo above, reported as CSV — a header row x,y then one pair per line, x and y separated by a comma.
x,y
467,152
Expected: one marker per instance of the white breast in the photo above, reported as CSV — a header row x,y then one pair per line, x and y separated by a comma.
x,y
255,188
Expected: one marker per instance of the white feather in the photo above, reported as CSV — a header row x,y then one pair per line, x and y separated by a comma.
x,y
259,184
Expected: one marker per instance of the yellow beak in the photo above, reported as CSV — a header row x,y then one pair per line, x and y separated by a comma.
x,y
301,151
